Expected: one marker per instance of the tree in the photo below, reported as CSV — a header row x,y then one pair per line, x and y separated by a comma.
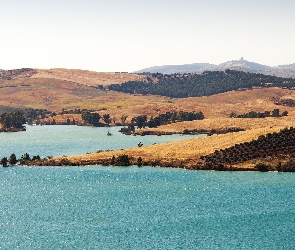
x,y
267,113
15,119
123,160
123,119
285,113
4,161
36,158
262,167
140,121
25,158
275,113
154,122
107,119
86,116
91,118
139,162
18,119
95,117
12,159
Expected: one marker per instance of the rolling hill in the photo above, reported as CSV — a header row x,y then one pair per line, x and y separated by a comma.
x,y
88,78
241,64
205,84
58,89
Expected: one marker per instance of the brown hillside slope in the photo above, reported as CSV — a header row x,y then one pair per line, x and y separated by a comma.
x,y
71,92
89,78
217,106
188,151
55,94
222,124
65,88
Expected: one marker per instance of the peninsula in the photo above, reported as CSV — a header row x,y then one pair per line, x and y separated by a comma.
x,y
246,108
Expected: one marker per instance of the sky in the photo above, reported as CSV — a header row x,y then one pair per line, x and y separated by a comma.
x,y
129,35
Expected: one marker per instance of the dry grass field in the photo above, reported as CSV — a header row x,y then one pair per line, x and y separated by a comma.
x,y
63,88
56,89
56,94
222,124
85,77
187,152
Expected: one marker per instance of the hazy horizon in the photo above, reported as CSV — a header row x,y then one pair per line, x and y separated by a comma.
x,y
109,36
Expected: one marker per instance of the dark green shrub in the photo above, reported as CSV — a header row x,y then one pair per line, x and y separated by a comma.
x,y
262,167
4,162
123,160
186,132
12,159
36,158
139,162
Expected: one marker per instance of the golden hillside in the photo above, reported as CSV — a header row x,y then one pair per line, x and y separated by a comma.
x,y
56,89
187,153
89,78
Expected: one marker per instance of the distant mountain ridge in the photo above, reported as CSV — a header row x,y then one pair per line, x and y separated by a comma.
x,y
241,65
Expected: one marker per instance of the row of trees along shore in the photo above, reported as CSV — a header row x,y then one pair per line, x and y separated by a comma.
x,y
142,121
93,118
254,114
272,152
13,121
25,159
205,84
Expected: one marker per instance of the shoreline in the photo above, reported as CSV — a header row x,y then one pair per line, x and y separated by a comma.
x,y
218,152
12,130
196,154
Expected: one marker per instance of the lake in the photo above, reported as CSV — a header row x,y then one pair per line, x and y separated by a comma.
x,y
95,207
57,140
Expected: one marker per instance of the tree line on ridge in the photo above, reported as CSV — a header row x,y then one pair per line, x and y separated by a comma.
x,y
205,84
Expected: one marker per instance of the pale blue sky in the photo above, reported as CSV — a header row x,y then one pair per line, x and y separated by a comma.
x,y
128,35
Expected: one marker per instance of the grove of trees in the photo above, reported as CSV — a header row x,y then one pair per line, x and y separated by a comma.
x,y
270,145
254,114
142,121
91,118
12,120
12,160
205,84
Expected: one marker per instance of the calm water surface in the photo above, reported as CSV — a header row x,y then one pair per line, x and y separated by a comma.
x,y
145,208
60,140
95,207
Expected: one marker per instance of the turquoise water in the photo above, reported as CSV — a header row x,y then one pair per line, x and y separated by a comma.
x,y
95,207
60,140
145,208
